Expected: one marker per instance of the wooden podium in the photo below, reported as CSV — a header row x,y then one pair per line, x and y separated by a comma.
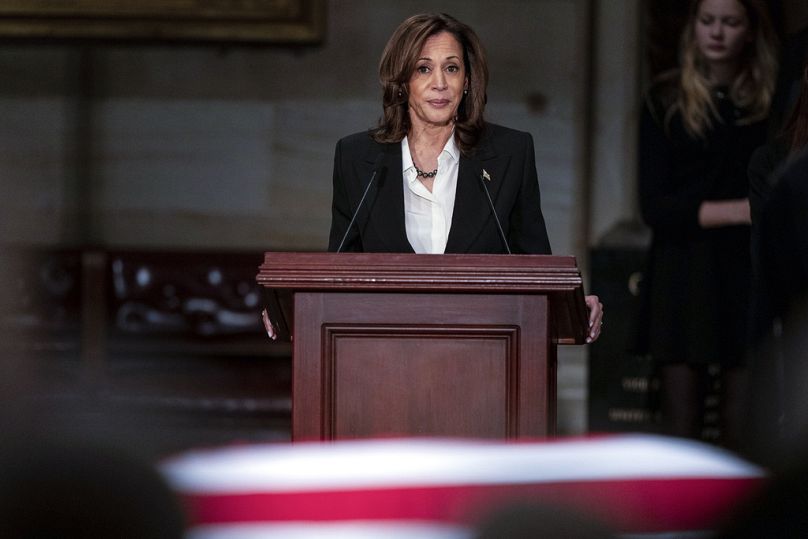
x,y
424,345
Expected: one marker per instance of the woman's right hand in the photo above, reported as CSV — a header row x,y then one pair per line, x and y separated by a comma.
x,y
271,333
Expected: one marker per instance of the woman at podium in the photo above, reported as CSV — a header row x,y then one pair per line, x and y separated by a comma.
x,y
434,176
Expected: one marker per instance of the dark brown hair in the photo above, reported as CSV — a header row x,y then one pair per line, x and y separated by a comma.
x,y
399,61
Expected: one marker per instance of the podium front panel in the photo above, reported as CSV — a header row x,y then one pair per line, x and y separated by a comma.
x,y
414,364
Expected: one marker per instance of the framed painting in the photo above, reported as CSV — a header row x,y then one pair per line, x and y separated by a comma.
x,y
249,21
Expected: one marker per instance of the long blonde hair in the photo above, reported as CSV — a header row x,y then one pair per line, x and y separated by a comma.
x,y
753,86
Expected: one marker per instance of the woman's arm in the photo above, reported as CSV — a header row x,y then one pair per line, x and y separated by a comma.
x,y
664,207
528,232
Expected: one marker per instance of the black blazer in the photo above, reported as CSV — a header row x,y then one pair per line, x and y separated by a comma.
x,y
505,154
784,238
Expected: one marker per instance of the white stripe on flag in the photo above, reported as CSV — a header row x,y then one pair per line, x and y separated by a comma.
x,y
429,462
352,530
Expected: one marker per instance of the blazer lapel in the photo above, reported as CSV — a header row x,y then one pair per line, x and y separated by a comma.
x,y
386,214
471,209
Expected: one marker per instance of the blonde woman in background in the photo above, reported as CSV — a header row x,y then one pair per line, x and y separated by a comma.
x,y
699,127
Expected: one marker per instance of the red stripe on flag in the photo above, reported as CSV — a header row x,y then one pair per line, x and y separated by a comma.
x,y
629,506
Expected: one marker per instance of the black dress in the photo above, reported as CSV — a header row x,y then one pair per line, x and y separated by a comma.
x,y
697,281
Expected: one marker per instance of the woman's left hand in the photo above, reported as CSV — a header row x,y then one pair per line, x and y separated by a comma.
x,y
595,317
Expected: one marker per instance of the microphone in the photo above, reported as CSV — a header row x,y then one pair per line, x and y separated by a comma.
x,y
483,178
376,164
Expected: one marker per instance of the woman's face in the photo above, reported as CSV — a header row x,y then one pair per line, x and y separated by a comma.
x,y
436,86
722,30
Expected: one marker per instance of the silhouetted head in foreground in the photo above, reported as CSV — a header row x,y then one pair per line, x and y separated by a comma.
x,y
529,521
78,490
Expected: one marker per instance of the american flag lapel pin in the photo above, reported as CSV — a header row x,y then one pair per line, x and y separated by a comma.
x,y
486,176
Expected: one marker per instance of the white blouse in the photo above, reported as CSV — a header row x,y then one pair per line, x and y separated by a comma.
x,y
428,216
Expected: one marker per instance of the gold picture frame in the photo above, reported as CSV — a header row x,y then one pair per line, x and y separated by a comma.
x,y
249,21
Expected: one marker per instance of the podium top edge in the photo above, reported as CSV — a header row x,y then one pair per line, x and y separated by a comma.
x,y
413,259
